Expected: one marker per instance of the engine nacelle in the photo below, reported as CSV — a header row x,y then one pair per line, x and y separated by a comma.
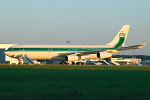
x,y
103,55
70,58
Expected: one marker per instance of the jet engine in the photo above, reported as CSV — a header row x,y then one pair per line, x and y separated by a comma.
x,y
103,55
70,58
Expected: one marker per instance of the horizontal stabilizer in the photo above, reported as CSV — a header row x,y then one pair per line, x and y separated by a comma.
x,y
113,51
132,47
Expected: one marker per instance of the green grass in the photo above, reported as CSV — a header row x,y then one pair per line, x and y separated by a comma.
x,y
77,67
46,82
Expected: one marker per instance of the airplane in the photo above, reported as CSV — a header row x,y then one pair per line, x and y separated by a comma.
x,y
71,53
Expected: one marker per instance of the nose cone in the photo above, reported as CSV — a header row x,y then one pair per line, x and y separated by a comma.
x,y
7,53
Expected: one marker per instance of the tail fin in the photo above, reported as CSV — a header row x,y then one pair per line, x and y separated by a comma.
x,y
120,38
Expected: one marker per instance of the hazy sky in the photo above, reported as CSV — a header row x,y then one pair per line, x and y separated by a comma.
x,y
82,22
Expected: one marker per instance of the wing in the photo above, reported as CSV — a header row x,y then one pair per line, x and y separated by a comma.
x,y
113,51
126,48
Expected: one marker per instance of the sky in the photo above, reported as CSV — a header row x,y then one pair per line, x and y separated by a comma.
x,y
82,22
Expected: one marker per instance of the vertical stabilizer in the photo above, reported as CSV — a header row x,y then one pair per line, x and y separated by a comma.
x,y
120,38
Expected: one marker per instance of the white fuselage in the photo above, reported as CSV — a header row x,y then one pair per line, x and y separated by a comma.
x,y
47,52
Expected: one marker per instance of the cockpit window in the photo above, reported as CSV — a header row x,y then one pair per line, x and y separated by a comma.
x,y
10,49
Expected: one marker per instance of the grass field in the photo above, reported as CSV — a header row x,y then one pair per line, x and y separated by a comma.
x,y
59,82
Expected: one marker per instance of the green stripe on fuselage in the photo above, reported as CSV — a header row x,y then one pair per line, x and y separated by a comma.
x,y
56,49
120,42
